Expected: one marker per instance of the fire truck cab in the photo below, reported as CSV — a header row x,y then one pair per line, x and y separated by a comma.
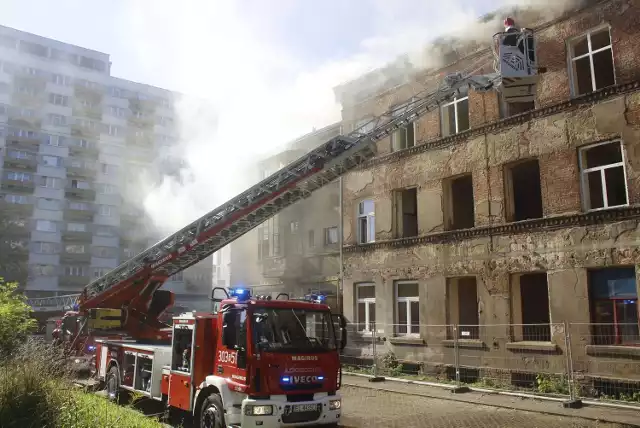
x,y
251,363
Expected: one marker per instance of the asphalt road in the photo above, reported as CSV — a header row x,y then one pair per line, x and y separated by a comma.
x,y
374,408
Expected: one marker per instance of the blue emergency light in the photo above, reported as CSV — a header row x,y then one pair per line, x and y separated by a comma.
x,y
240,293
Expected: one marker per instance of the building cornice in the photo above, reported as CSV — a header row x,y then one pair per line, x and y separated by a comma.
x,y
527,226
565,106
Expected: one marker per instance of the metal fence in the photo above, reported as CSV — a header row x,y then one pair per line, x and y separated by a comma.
x,y
569,360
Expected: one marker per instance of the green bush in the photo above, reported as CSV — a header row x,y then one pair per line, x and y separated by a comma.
x,y
35,391
16,323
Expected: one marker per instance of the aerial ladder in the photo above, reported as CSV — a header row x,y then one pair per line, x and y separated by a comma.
x,y
131,292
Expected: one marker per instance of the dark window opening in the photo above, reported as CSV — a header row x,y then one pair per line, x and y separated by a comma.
x,y
613,299
592,62
519,107
459,203
407,213
403,138
534,298
463,298
523,181
312,238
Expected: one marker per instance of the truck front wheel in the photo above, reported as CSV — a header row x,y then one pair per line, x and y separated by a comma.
x,y
113,383
212,413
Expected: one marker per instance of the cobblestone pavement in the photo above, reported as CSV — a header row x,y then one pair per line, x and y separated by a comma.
x,y
374,408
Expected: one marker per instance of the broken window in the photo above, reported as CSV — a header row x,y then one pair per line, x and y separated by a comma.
x,y
462,296
455,116
523,189
331,235
591,62
366,227
530,295
403,138
516,108
613,296
406,204
458,203
407,309
604,179
366,310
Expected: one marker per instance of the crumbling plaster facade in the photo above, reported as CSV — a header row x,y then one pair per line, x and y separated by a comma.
x,y
564,244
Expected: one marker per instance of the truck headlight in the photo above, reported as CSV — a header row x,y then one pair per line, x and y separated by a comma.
x,y
335,404
258,410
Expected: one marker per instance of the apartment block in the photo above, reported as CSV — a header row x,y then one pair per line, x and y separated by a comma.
x,y
74,143
498,229
296,251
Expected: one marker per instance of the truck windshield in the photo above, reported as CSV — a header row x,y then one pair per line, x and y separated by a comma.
x,y
293,330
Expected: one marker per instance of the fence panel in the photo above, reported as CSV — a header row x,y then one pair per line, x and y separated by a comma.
x,y
606,361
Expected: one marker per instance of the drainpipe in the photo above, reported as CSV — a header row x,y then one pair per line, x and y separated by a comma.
x,y
340,243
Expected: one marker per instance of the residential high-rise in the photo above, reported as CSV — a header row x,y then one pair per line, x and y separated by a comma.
x,y
74,141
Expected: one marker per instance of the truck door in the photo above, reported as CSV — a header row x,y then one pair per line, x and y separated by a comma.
x,y
181,373
232,349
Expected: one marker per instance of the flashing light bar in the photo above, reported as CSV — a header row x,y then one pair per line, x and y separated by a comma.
x,y
240,293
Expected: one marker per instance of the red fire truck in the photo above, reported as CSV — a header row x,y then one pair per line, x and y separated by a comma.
x,y
254,362
251,362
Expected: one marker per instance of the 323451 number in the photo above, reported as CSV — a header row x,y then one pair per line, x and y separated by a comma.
x,y
227,357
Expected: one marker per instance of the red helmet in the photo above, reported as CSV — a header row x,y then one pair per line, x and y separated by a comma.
x,y
509,22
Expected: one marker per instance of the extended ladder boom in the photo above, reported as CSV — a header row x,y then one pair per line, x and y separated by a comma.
x,y
252,207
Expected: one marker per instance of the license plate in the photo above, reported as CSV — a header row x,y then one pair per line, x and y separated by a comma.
x,y
299,408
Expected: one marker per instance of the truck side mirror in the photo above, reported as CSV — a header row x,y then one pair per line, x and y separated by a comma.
x,y
340,327
229,330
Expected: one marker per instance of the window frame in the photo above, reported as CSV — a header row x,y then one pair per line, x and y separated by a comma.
x,y
368,217
585,171
367,301
454,103
406,301
570,43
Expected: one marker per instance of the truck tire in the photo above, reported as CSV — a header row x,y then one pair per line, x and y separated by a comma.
x,y
211,413
113,383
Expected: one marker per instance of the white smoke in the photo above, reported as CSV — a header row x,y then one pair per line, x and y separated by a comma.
x,y
262,96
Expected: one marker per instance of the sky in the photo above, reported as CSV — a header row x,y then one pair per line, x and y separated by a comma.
x,y
267,66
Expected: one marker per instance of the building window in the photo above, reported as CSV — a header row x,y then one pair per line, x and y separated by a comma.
x,y
403,138
365,125
46,226
455,116
515,108
75,249
113,130
54,140
331,235
406,215
57,120
18,176
59,79
407,309
613,297
53,161
366,229
105,231
591,62
312,238
530,299
16,199
523,190
604,179
50,182
105,210
80,206
459,205
76,227
366,307
74,270
100,272
59,100
107,189
49,204
46,248
462,297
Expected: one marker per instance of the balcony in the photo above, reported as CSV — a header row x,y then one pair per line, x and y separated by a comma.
x,y
88,151
24,122
84,194
16,210
72,213
92,112
72,281
93,93
28,99
24,142
76,236
81,131
142,105
75,258
17,185
143,142
79,168
146,122
282,267
27,163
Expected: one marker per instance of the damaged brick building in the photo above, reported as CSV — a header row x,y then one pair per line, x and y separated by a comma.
x,y
517,223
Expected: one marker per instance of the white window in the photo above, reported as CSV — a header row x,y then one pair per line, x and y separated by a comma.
x,y
107,189
105,231
85,123
294,225
75,249
74,270
46,226
23,133
128,253
18,154
604,178
108,169
113,130
78,184
27,90
105,210
407,309
117,111
366,310
83,143
87,104
27,112
81,206
591,62
45,248
59,100
43,270
139,134
116,92
455,116
366,228
51,160
365,125
30,70
60,79
16,199
18,176
76,227
57,120
331,235
103,252
99,272
50,182
54,140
